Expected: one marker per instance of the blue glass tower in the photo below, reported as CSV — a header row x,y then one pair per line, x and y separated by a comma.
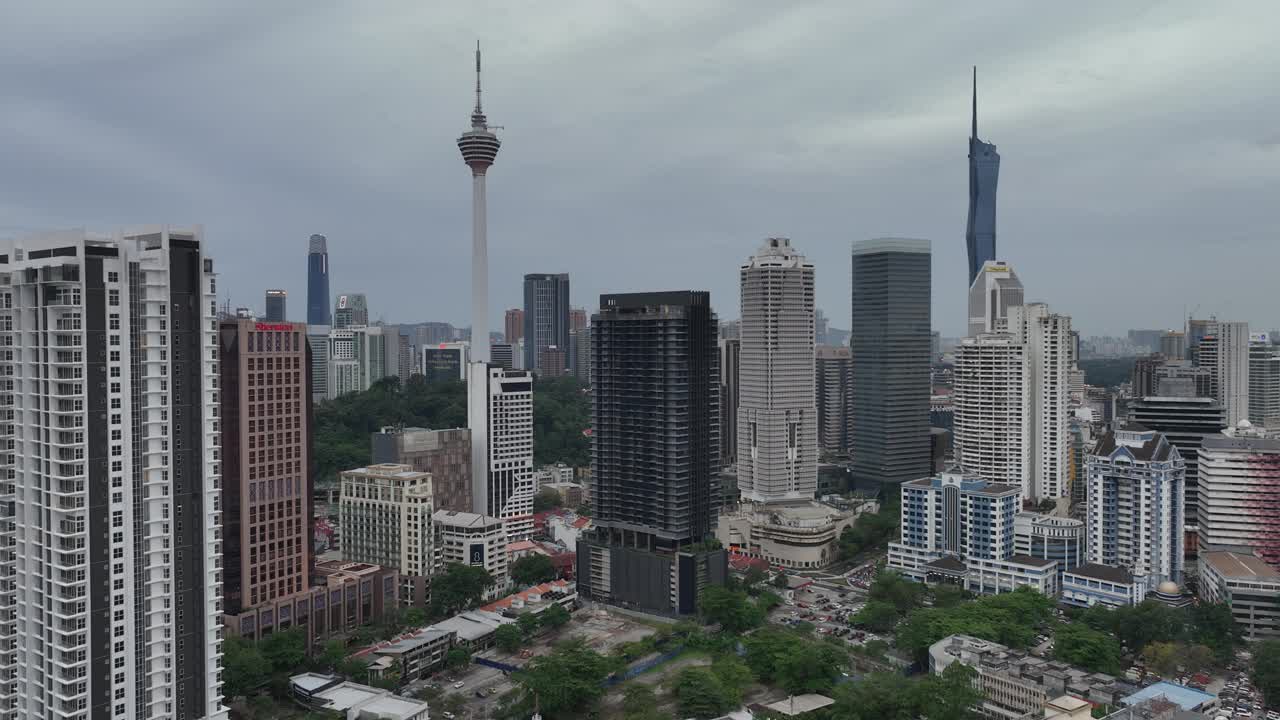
x,y
984,172
318,281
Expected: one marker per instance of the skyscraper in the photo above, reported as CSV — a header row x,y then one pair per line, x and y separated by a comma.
x,y
995,290
777,410
318,282
514,326
655,453
1047,338
1224,350
578,319
351,310
500,415
111,486
889,339
730,362
1264,381
984,173
276,310
546,315
1240,492
1185,422
992,400
834,386
479,147
1173,345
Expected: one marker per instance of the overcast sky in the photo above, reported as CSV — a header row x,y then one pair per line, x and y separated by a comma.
x,y
652,145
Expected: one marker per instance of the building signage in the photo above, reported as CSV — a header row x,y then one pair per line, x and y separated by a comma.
x,y
268,327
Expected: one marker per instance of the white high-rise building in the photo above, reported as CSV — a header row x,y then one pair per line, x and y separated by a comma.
x,y
1224,350
1049,355
993,292
992,409
110,602
500,415
357,359
1136,516
464,538
385,512
1264,381
777,411
318,342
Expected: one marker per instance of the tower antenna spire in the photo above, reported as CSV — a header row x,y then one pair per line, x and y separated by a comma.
x,y
478,112
974,133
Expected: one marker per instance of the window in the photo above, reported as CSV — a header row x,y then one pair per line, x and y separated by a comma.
x,y
114,322
113,298
115,356
113,276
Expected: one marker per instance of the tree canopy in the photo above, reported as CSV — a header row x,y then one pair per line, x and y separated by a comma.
x,y
533,569
1208,624
800,665
732,609
1010,619
882,696
458,588
1085,647
566,681
1266,670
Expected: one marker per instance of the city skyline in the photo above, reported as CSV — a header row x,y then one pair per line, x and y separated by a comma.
x,y
885,155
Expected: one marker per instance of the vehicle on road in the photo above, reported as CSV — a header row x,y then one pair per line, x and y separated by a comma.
x,y
458,684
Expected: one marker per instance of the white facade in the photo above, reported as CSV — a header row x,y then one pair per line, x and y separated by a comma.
x,y
477,540
318,341
385,514
1135,511
992,409
1239,508
1225,352
993,292
111,602
1049,350
500,415
777,409
955,514
1264,381
356,359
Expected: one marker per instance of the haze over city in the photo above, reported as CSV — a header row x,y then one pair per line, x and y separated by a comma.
x,y
655,145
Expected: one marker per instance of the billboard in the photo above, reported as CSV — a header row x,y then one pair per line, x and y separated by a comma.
x,y
443,363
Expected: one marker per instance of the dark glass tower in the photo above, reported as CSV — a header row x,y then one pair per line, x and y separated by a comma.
x,y
984,173
546,315
655,457
889,339
318,282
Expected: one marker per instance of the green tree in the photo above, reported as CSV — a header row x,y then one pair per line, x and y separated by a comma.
x,y
949,696
1266,670
877,616
880,696
701,694
945,596
734,611
533,569
812,671
754,575
354,669
243,666
459,587
286,650
780,580
892,588
639,702
1163,657
508,638
554,616
1215,627
1087,648
528,624
457,657
565,681
546,499
332,654
733,673
413,617
561,412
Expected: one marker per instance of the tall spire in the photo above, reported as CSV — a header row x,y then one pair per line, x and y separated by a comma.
x,y
973,134
478,120
478,77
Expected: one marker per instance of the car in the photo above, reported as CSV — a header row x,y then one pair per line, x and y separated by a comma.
x,y
448,715
458,684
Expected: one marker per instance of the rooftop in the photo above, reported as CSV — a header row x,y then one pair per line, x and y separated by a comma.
x,y
1239,565
454,518
1107,573
798,704
1153,447
364,701
532,596
1185,697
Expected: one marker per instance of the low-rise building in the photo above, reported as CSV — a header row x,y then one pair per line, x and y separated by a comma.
x,y
353,701
1092,584
992,576
1050,537
470,539
798,535
537,599
347,596
571,494
1249,585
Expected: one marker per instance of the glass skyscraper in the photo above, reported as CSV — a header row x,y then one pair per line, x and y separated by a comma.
x,y
984,172
318,282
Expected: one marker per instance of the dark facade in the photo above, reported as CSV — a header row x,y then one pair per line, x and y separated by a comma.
x,y
1185,423
446,454
277,305
834,370
546,315
889,342
984,173
1145,374
655,453
730,360
318,312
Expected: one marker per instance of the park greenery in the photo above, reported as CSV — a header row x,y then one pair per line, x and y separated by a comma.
x,y
459,587
546,499
870,531
1200,637
343,425
532,570
1106,372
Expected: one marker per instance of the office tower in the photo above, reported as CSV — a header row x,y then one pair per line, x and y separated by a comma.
x,y
777,410
553,361
991,294
446,362
729,329
655,453
984,173
111,490
1264,381
578,319
1136,497
935,346
479,147
1144,380
834,381
1081,444
1185,422
434,333
992,400
276,306
581,342
1046,338
820,327
500,415
954,514
385,514
730,363
1148,340
1196,330
514,326
351,311
546,315
1224,351
1240,492
1173,345
356,360
265,384
889,339
464,538
398,354
318,341
444,454
1179,378
502,355
318,282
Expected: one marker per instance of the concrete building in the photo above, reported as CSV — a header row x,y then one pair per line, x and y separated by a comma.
x,y
578,319
1145,375
730,362
332,694
356,359
1264,381
479,147
1224,351
318,313
1135,512
109,503
1179,378
500,415
351,311
992,576
834,386
1249,585
953,514
553,361
444,362
1047,339
513,330
1048,537
994,290
385,514
580,342
889,340
276,306
1173,345
798,535
1093,584
478,540
1240,492
657,382
546,315
444,454
777,410
992,409
504,355
318,342
1185,422
346,595
264,378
